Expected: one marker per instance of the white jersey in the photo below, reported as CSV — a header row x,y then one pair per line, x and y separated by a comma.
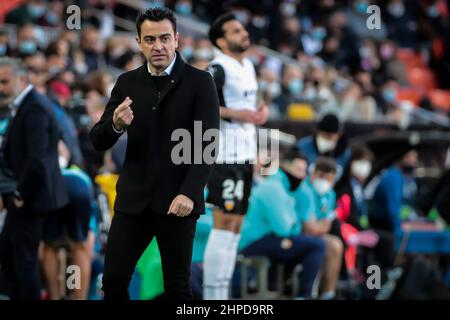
x,y
237,89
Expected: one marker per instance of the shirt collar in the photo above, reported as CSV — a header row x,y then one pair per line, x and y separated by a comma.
x,y
165,72
18,101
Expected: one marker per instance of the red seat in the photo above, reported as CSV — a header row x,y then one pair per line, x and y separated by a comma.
x,y
440,99
410,94
422,78
410,58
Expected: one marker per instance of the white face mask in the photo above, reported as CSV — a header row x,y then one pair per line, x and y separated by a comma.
x,y
321,186
325,145
361,168
63,162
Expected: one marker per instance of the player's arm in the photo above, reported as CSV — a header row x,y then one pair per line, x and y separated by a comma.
x,y
241,115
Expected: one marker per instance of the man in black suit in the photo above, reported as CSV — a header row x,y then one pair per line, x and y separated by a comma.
x,y
31,152
157,194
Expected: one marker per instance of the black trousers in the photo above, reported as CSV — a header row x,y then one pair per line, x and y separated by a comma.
x,y
19,243
128,238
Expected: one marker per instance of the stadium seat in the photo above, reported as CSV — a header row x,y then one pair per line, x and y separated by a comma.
x,y
409,94
300,111
422,78
411,59
440,99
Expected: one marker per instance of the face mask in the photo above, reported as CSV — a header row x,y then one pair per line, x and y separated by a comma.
x,y
81,68
52,18
187,52
259,22
288,9
386,52
361,168
319,33
361,6
295,86
397,10
310,94
274,89
36,11
203,54
389,95
3,49
63,162
321,186
183,9
242,16
432,11
325,145
54,70
27,47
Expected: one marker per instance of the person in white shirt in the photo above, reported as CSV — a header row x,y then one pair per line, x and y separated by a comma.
x,y
230,182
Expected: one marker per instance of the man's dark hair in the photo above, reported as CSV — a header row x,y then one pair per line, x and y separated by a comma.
x,y
361,151
291,153
216,30
155,14
325,165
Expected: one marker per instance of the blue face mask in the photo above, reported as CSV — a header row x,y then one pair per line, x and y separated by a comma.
x,y
183,9
52,18
36,11
295,86
187,52
361,7
319,33
27,47
3,49
389,95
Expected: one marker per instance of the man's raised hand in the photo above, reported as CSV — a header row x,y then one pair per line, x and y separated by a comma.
x,y
123,115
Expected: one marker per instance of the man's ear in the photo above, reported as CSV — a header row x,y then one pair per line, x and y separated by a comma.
x,y
138,40
177,37
221,43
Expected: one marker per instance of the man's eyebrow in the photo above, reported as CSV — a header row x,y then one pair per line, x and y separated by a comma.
x,y
160,36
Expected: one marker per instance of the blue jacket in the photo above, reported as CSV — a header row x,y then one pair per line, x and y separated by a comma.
x,y
271,211
311,205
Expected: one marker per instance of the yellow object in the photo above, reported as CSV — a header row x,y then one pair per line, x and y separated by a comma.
x,y
300,111
107,183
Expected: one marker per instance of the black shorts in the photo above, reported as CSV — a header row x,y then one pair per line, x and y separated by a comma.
x,y
73,220
229,187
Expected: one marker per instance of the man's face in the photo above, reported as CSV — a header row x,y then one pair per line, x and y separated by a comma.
x,y
330,176
8,85
236,37
296,167
158,42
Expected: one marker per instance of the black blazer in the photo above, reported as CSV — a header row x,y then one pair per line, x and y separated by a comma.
x,y
148,175
31,152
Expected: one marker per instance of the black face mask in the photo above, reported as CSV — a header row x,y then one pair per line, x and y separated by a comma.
x,y
408,169
294,182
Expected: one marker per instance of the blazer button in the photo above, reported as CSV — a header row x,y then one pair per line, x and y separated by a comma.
x,y
154,108
173,81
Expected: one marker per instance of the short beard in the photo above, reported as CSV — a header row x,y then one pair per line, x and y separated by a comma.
x,y
236,48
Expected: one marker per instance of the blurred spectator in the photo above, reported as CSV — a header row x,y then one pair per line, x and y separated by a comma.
x,y
356,106
91,47
401,22
33,158
396,192
272,228
291,88
30,11
4,43
316,202
327,140
357,21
